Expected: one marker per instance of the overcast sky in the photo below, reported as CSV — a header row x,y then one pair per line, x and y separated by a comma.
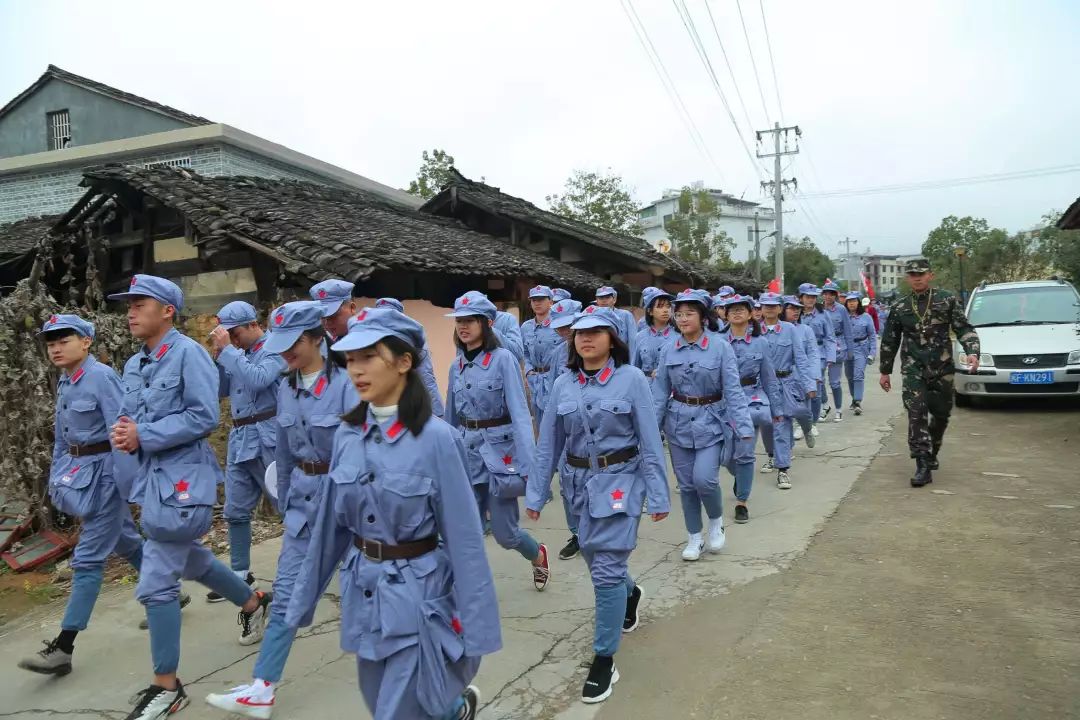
x,y
523,93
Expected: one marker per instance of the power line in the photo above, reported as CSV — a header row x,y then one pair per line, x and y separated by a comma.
x,y
669,85
695,40
753,63
772,62
951,182
731,72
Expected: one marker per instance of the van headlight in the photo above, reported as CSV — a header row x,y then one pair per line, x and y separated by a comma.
x,y
986,360
1074,358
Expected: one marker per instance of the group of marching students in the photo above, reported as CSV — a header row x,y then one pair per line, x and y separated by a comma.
x,y
336,415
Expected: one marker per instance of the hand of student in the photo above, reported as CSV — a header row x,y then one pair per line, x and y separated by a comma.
x,y
219,339
885,382
125,435
777,418
811,395
532,514
657,517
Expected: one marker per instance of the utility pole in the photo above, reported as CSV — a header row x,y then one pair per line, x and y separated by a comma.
x,y
777,184
847,243
757,249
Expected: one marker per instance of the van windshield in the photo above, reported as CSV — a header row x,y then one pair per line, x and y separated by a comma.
x,y
1025,306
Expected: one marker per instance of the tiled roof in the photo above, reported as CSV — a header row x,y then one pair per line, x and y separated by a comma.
x,y
323,232
1070,219
56,73
495,201
20,237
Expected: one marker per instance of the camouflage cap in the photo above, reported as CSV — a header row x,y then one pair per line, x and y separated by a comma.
x,y
918,265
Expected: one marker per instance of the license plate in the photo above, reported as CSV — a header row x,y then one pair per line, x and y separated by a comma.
x,y
1031,378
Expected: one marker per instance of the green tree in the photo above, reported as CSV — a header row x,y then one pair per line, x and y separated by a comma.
x,y
691,233
990,254
803,262
598,199
434,174
1062,246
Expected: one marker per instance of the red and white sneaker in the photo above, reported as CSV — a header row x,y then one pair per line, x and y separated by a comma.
x,y
541,572
254,701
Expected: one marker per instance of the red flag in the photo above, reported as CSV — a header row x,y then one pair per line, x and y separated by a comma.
x,y
774,285
868,286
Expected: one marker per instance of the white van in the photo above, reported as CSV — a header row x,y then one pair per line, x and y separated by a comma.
x,y
1029,333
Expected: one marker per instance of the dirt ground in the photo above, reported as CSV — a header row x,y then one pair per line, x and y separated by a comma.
x,y
958,600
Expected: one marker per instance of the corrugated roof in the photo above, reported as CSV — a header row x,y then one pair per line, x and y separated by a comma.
x,y
20,237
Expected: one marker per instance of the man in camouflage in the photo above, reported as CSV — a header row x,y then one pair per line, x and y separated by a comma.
x,y
923,320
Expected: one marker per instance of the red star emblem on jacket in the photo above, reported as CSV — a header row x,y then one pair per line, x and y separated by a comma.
x,y
617,494
182,486
507,459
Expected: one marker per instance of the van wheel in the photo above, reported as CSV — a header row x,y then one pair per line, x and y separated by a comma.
x,y
962,400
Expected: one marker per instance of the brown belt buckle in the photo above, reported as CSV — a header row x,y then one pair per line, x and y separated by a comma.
x,y
369,555
73,451
602,461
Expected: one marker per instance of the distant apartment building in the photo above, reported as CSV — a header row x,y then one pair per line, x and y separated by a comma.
x,y
886,272
736,219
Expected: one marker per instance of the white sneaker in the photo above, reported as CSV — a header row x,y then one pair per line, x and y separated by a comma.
x,y
768,466
814,430
825,410
811,437
693,548
798,433
839,417
783,481
255,700
157,703
253,624
717,539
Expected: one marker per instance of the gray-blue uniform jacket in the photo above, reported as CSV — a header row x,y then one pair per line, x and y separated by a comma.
x,y
307,421
824,335
509,333
840,324
702,368
537,340
171,393
864,338
589,417
795,370
489,388
249,378
756,373
87,405
649,347
391,486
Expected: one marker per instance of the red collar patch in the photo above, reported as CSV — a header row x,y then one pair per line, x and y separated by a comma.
x,y
362,316
604,374
258,346
77,376
704,341
546,323
581,377
487,360
394,430
320,386
161,351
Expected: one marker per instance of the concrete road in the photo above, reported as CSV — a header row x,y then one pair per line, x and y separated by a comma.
x,y
956,601
547,636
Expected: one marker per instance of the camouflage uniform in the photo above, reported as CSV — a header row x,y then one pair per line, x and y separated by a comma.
x,y
923,322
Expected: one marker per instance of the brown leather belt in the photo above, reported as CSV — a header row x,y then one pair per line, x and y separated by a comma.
x,y
703,400
252,419
783,373
619,456
92,449
313,468
747,381
377,551
541,369
481,424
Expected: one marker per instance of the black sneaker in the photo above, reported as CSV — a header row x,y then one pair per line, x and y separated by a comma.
x,y
157,703
213,597
630,622
570,549
471,696
253,624
50,661
602,678
857,407
742,515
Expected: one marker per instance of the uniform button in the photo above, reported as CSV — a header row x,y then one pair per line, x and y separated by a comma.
x,y
371,518
588,407
378,439
468,385
367,593
307,498
147,385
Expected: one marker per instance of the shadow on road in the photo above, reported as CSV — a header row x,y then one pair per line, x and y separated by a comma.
x,y
1069,404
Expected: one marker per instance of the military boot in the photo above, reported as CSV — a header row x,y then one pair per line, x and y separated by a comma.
x,y
932,463
922,474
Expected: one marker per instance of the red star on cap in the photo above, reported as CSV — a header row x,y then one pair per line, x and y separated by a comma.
x,y
617,494
464,301
53,319
558,308
182,486
322,293
279,318
133,280
590,309
507,459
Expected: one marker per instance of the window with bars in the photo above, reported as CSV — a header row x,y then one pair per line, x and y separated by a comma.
x,y
59,124
175,162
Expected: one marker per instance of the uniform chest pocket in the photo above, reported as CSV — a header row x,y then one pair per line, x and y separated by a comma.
x,y
614,417
565,411
163,395
404,499
84,414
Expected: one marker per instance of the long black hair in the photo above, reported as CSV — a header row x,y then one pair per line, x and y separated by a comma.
x,y
334,360
620,353
488,339
709,321
754,325
652,305
414,405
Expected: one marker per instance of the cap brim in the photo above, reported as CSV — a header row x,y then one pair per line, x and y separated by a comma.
x,y
589,322
537,297
359,339
278,341
329,307
231,325
562,322
61,326
468,312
